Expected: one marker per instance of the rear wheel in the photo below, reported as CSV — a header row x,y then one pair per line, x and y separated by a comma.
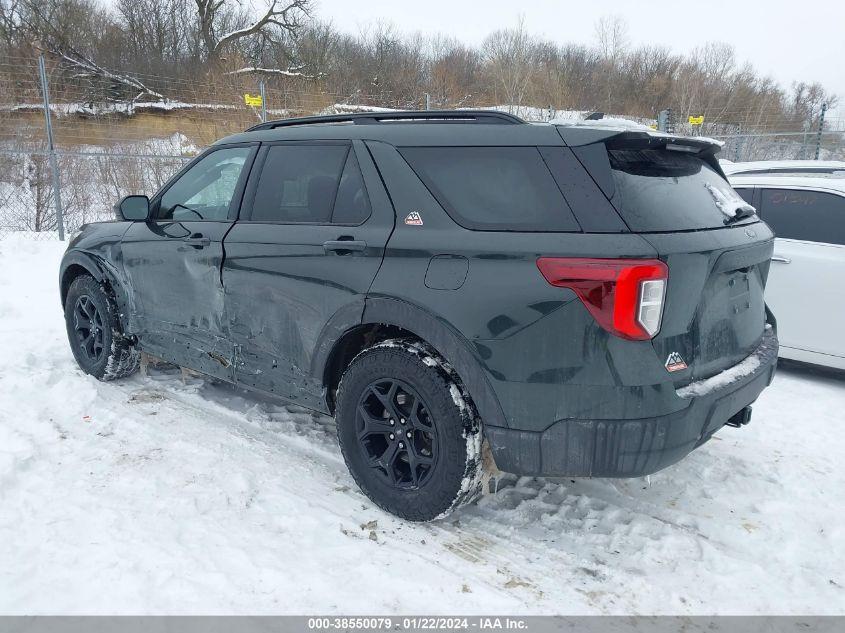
x,y
407,431
95,333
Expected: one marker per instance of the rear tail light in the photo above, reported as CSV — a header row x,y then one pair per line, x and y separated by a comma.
x,y
625,296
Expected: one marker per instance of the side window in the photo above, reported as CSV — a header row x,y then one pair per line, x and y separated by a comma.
x,y
299,183
352,205
746,193
813,216
206,190
493,188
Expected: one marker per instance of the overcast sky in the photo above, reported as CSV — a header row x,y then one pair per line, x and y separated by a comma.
x,y
789,40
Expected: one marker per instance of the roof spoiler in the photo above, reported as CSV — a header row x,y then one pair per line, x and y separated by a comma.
x,y
618,138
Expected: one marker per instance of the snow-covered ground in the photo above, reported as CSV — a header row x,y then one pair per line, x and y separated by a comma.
x,y
152,495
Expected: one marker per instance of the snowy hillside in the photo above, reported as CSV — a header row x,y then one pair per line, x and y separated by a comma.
x,y
152,495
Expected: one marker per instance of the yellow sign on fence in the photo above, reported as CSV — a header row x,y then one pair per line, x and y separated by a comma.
x,y
252,100
696,120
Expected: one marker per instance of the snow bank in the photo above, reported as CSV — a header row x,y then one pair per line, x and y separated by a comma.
x,y
122,107
346,108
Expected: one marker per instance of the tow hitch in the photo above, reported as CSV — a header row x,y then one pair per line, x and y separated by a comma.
x,y
740,419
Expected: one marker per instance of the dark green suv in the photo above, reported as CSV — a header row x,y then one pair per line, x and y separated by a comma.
x,y
581,301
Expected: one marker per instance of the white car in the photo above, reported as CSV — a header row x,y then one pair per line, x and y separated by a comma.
x,y
804,204
784,167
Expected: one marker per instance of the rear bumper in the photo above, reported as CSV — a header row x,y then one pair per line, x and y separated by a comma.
x,y
632,448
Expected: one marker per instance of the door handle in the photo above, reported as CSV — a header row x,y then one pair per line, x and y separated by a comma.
x,y
782,260
344,247
197,240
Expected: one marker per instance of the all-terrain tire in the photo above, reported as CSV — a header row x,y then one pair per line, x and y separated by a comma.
x,y
90,309
445,431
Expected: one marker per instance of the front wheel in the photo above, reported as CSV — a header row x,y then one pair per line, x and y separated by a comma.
x,y
408,432
94,331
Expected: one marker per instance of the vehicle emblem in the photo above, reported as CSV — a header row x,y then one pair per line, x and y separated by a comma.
x,y
413,219
675,362
750,233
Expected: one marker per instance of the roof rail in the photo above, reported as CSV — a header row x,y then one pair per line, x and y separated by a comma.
x,y
408,116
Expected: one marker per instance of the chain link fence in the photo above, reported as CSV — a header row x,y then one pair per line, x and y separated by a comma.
x,y
89,183
827,145
110,135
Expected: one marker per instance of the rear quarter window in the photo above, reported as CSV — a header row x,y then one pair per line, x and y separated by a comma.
x,y
493,188
663,190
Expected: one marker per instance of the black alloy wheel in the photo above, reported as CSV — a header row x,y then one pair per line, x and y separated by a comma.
x,y
396,433
409,436
95,332
89,328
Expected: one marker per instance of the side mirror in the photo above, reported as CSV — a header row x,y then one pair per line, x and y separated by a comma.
x,y
133,208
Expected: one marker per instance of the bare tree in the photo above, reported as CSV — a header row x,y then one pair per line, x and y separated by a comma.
x,y
508,56
69,30
285,15
161,32
61,24
108,49
612,36
806,102
8,21
454,76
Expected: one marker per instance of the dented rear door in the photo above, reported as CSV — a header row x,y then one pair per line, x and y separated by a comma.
x,y
301,259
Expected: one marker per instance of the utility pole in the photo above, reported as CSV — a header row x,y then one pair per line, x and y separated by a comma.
x,y
54,164
821,129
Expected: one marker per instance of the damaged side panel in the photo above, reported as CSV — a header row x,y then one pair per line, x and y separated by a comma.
x,y
173,263
292,288
179,308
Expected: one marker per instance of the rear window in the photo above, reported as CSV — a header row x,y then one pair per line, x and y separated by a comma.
x,y
493,188
666,190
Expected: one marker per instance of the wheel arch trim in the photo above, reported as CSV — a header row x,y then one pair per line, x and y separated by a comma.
x,y
77,259
93,265
450,344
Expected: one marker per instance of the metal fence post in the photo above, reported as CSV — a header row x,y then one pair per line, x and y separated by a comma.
x,y
665,121
54,165
738,149
821,128
263,101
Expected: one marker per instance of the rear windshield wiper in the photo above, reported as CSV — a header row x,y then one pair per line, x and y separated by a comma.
x,y
741,213
730,204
